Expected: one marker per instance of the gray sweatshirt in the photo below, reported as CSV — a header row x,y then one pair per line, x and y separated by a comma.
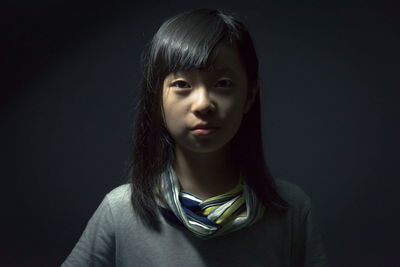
x,y
115,236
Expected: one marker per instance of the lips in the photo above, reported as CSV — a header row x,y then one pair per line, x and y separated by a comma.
x,y
204,129
204,126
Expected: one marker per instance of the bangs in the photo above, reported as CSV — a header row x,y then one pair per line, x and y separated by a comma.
x,y
186,42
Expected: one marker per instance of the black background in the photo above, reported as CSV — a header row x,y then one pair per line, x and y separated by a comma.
x,y
329,79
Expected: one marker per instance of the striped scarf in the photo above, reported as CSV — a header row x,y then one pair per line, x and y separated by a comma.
x,y
212,217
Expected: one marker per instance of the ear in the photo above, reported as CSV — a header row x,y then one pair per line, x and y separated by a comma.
x,y
251,95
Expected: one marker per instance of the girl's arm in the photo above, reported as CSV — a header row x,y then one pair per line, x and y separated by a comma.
x,y
96,246
314,249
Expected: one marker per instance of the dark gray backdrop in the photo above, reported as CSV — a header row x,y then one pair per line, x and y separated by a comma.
x,y
329,81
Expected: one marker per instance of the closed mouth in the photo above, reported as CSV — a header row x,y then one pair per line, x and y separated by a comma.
x,y
204,127
204,130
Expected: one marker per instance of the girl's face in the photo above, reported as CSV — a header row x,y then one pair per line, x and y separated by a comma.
x,y
203,109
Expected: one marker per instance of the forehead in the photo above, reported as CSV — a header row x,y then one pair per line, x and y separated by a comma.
x,y
224,59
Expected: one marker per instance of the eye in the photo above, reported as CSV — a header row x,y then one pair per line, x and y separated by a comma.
x,y
224,83
180,84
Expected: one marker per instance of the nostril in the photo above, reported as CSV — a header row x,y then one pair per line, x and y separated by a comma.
x,y
204,109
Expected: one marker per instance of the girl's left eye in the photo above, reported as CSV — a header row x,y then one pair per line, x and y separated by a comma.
x,y
224,83
180,84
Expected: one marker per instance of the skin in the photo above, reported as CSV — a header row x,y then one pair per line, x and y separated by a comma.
x,y
220,96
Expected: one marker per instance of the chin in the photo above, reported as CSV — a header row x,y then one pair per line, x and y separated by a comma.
x,y
206,147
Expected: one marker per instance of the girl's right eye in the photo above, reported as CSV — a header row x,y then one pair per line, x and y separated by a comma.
x,y
180,84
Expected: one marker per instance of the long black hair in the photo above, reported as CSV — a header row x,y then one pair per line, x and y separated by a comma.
x,y
184,42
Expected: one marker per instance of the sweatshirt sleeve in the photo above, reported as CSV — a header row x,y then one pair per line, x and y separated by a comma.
x,y
314,249
96,246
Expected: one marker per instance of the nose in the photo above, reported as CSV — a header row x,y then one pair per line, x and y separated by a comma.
x,y
202,103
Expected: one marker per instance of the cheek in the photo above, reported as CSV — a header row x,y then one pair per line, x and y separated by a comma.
x,y
234,119
174,118
233,108
232,114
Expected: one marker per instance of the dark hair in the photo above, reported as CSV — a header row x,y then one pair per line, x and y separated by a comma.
x,y
184,42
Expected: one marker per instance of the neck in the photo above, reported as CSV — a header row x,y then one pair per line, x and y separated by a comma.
x,y
205,174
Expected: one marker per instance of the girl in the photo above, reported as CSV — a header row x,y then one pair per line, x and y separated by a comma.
x,y
200,193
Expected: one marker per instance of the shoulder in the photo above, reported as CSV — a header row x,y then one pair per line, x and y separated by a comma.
x,y
293,194
120,193
307,245
118,199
